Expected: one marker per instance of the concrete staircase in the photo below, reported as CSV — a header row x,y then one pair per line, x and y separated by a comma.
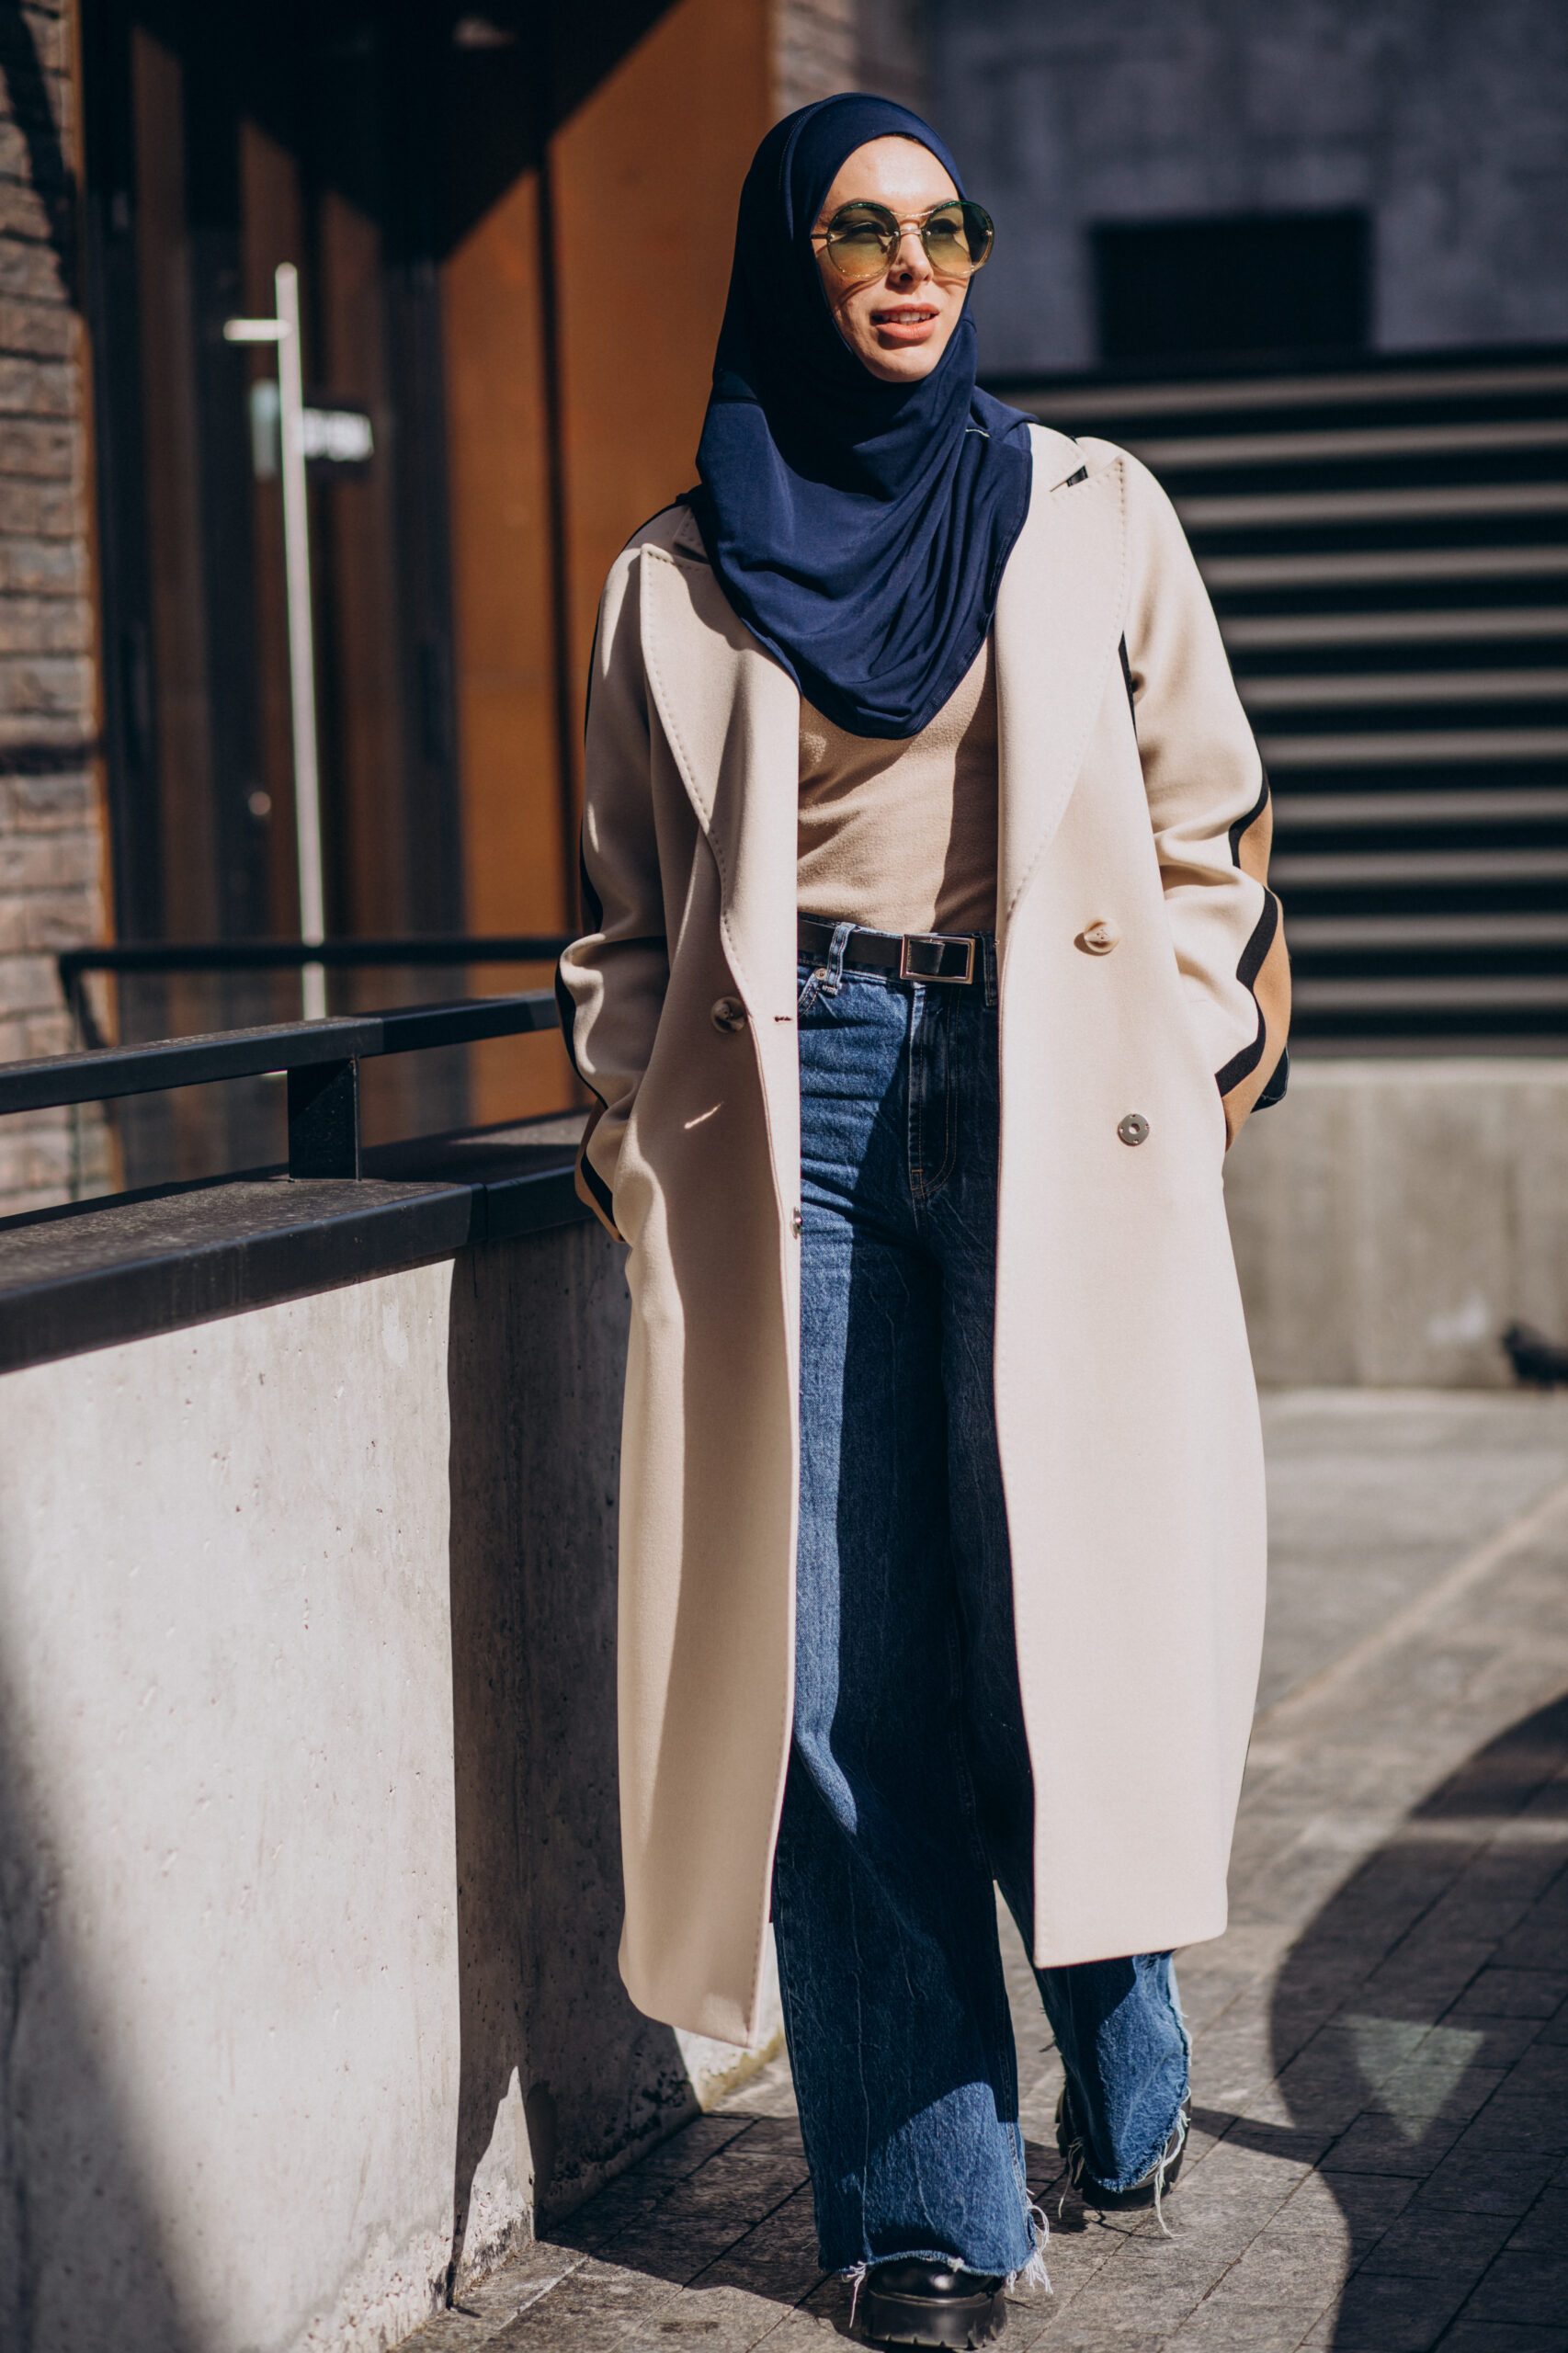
x,y
1388,551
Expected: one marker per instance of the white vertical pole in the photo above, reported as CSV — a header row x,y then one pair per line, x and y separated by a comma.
x,y
301,639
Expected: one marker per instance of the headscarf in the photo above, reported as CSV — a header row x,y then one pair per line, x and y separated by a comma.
x,y
859,528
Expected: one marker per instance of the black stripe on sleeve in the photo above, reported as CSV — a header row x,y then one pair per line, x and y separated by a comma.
x,y
1252,960
1243,825
593,905
1241,1065
568,1012
594,916
599,1188
1274,1089
1132,695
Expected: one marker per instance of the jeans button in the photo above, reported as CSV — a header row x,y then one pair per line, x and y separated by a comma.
x,y
1133,1128
728,1014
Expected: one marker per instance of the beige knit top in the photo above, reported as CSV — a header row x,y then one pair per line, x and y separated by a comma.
x,y
902,835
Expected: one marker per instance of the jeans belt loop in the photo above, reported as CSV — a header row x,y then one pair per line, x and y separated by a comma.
x,y
841,935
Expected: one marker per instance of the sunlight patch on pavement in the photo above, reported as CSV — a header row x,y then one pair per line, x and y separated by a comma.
x,y
1415,2069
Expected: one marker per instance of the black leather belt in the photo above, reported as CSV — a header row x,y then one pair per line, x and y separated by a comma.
x,y
914,955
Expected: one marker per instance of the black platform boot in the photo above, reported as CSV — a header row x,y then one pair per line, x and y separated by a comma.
x,y
928,2303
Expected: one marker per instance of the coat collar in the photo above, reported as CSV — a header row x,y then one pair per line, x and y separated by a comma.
x,y
730,713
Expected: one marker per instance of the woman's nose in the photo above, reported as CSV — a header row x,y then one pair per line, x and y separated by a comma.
x,y
911,260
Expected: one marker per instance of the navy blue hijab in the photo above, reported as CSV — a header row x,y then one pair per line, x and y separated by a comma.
x,y
859,527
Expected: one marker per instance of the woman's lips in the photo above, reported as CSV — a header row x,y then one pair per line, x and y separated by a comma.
x,y
908,322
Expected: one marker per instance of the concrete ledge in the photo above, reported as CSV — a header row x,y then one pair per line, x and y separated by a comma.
x,y
1391,1216
99,1272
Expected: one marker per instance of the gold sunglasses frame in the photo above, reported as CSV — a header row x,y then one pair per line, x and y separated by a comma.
x,y
919,221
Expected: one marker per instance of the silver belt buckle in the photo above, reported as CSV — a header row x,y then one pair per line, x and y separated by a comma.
x,y
937,939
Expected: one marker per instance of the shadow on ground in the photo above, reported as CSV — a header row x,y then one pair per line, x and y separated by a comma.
x,y
1419,2032
1420,2039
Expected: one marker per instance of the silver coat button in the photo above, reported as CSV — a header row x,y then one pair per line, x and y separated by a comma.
x,y
728,1014
797,1224
1099,937
1133,1128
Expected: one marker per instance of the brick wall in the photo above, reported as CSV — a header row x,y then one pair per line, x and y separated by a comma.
x,y
815,51
823,46
51,852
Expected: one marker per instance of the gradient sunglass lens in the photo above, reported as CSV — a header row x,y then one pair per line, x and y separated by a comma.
x,y
861,240
957,239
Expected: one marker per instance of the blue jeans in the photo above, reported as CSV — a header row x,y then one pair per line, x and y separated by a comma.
x,y
909,1789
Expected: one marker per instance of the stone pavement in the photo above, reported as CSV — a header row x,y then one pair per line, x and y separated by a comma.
x,y
1379,2155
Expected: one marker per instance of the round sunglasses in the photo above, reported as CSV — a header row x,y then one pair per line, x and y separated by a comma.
x,y
862,238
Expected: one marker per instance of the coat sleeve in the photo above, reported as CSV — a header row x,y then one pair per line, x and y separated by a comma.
x,y
610,983
1210,807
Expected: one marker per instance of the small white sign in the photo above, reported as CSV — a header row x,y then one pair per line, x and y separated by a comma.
x,y
338,437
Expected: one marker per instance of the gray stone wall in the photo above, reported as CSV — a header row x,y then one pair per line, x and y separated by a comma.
x,y
1448,121
50,894
891,42
1391,1217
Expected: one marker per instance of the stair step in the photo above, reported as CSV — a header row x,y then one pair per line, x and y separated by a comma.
x,y
1387,548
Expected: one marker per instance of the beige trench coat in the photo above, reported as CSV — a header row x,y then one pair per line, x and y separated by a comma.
x,y
1126,1411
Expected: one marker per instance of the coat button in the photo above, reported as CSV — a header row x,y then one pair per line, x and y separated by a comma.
x,y
1099,937
797,1224
728,1014
1133,1128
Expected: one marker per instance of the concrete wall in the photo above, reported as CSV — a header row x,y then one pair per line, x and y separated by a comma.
x,y
1389,1217
1448,123
309,1863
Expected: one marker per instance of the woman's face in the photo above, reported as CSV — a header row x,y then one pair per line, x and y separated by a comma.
x,y
897,325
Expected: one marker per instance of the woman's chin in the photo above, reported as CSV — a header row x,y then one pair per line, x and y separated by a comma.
x,y
901,363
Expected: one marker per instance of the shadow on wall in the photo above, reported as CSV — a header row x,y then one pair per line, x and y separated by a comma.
x,y
79,2244
562,2082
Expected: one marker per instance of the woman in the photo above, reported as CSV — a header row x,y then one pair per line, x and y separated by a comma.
x,y
931,970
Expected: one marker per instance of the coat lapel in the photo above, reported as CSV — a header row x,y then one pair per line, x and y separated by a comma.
x,y
731,717
1058,618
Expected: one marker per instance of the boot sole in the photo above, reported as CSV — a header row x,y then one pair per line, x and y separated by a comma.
x,y
956,2321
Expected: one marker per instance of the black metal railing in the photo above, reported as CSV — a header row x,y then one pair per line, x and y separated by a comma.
x,y
321,1060
161,992
160,958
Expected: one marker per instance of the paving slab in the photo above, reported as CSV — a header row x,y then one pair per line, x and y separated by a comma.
x,y
1379,2161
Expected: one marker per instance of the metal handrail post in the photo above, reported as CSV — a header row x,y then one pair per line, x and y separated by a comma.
x,y
284,332
301,635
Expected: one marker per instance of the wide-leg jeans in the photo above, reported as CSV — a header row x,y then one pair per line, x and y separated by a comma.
x,y
909,1789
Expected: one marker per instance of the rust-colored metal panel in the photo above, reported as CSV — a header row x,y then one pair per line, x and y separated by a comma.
x,y
647,173
623,303
498,457
498,469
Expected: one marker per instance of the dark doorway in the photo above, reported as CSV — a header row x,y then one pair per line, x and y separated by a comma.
x,y
372,146
222,143
1260,284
